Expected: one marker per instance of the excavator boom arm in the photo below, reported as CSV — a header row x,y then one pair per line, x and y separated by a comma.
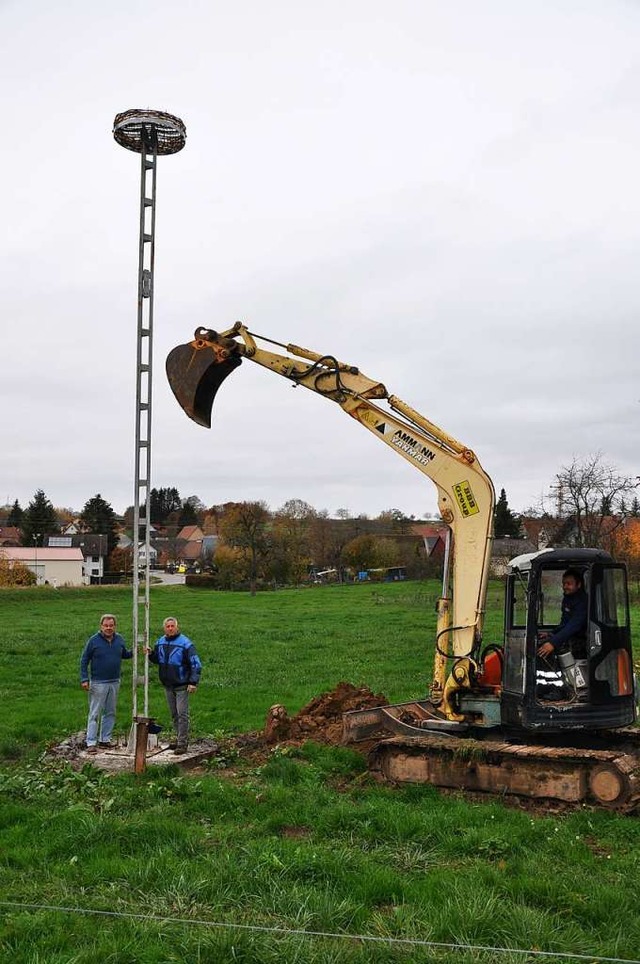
x,y
465,492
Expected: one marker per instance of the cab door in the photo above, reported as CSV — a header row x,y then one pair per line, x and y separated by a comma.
x,y
609,642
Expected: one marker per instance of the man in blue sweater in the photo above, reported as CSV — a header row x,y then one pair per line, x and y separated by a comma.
x,y
100,675
179,668
571,633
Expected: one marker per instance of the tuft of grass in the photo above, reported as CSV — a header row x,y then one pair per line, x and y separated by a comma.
x,y
11,749
468,750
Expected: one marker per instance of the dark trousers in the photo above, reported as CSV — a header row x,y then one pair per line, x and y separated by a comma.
x,y
178,703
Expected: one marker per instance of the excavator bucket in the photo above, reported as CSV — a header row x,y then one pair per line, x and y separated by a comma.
x,y
195,374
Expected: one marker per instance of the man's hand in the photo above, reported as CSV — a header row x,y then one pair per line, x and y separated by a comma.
x,y
191,688
85,684
547,649
146,650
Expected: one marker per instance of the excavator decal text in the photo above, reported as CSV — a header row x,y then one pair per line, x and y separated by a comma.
x,y
466,499
411,447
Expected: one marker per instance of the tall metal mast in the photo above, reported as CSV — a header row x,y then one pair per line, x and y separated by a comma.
x,y
149,133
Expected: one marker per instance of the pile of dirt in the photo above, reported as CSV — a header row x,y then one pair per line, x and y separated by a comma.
x,y
321,719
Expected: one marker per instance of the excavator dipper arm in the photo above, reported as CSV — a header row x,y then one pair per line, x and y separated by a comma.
x,y
465,492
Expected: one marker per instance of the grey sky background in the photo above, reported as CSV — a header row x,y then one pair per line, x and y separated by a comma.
x,y
444,194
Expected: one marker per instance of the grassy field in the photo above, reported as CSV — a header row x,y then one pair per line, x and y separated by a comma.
x,y
303,842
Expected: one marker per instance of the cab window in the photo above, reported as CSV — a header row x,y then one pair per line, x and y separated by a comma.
x,y
520,585
611,599
549,597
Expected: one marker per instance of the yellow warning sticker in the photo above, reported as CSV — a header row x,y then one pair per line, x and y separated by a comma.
x,y
368,417
465,499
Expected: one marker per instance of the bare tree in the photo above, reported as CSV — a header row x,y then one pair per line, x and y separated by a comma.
x,y
343,514
591,495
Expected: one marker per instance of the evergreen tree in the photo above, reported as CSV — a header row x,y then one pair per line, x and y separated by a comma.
x,y
162,502
506,523
188,515
99,518
38,520
15,516
635,508
606,507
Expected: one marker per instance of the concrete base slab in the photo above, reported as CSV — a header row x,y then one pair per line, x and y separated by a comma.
x,y
119,758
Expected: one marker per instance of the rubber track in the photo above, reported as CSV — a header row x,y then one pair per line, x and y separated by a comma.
x,y
624,755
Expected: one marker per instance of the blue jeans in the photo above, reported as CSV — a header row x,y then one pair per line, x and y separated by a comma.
x,y
103,698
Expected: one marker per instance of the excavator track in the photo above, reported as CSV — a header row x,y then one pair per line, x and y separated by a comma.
x,y
606,777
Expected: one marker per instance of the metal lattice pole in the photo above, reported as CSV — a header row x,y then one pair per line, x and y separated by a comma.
x,y
149,133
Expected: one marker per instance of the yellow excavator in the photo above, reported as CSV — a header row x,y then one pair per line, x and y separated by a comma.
x,y
498,718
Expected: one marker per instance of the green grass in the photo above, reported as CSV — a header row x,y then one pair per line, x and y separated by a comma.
x,y
304,841
274,647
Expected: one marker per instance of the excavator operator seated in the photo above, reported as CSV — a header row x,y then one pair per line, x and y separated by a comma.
x,y
569,638
571,633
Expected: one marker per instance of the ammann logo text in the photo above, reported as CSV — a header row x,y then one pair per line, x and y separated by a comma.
x,y
412,447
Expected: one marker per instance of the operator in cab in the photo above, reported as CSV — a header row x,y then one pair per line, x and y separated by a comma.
x,y
571,633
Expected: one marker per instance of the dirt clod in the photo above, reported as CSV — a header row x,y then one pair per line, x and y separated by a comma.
x,y
321,718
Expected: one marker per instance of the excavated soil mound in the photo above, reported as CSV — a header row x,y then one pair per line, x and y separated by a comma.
x,y
321,719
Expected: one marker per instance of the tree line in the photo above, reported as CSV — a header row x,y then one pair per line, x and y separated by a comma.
x,y
296,542
40,520
253,543
589,504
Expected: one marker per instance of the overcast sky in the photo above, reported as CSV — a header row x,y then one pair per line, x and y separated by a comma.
x,y
444,193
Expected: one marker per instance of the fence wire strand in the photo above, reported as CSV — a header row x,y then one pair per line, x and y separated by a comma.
x,y
326,935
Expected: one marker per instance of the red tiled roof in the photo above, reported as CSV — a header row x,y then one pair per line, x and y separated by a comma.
x,y
430,529
190,532
9,535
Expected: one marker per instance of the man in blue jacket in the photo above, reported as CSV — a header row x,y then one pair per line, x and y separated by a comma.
x,y
179,670
571,633
100,674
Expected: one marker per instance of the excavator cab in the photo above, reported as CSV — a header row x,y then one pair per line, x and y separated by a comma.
x,y
197,370
588,682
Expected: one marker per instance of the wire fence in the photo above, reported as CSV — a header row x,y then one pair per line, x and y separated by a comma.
x,y
321,935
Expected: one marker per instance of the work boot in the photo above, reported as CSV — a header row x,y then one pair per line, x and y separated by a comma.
x,y
180,750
